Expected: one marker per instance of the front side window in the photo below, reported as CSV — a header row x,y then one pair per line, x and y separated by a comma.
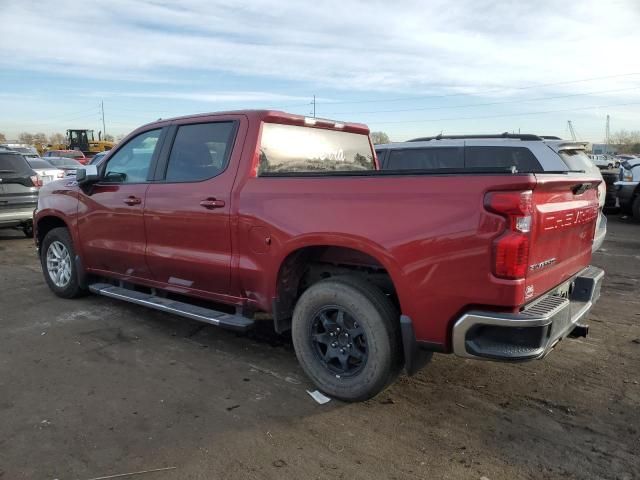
x,y
131,163
290,149
200,151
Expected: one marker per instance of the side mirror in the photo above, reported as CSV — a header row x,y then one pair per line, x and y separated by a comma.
x,y
87,174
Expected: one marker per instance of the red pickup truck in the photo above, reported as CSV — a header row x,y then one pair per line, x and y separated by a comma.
x,y
232,217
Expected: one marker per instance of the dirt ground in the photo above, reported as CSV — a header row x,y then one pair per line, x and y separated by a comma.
x,y
93,387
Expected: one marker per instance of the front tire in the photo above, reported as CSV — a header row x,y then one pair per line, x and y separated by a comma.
x,y
346,336
57,257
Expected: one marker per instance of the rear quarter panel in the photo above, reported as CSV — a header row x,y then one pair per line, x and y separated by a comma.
x,y
431,233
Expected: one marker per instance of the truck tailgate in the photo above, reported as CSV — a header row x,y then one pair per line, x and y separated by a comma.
x,y
565,211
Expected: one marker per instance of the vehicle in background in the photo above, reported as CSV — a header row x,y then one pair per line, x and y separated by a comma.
x,y
68,165
75,154
26,151
510,152
624,157
45,170
628,187
603,161
19,185
97,158
287,218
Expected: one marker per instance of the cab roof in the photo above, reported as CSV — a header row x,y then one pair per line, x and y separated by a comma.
x,y
276,116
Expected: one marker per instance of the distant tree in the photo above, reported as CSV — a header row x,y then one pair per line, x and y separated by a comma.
x,y
626,141
2,137
26,137
108,137
40,138
379,137
56,138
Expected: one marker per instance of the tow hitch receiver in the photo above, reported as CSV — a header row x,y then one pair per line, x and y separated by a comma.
x,y
579,331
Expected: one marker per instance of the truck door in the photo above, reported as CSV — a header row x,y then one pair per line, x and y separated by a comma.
x,y
187,209
110,221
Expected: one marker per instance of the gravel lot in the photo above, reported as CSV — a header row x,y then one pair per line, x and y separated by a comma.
x,y
93,387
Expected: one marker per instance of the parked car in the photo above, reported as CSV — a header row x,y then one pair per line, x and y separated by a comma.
x,y
45,171
19,185
26,151
628,187
603,161
284,217
479,153
67,165
75,154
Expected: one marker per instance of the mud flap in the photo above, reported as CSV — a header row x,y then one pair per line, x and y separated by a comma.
x,y
414,357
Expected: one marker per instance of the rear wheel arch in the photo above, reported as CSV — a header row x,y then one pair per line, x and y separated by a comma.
x,y
305,266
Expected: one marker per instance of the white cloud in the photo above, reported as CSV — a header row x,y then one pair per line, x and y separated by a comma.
x,y
407,46
210,97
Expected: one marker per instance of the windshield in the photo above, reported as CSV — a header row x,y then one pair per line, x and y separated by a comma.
x,y
294,149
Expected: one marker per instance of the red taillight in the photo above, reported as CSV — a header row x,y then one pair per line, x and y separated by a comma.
x,y
511,249
37,182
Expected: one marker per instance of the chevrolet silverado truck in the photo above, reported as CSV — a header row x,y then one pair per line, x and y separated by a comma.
x,y
243,217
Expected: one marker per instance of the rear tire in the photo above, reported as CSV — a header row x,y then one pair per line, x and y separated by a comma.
x,y
361,364
57,257
28,230
635,207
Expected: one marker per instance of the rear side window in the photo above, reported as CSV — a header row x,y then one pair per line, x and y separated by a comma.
x,y
290,149
502,157
200,151
425,158
12,164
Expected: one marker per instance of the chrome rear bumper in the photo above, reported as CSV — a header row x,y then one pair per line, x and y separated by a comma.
x,y
534,331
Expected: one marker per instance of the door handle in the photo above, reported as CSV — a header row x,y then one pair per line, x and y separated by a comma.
x,y
211,203
131,200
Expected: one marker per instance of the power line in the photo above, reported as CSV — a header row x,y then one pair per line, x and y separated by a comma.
x,y
487,103
521,114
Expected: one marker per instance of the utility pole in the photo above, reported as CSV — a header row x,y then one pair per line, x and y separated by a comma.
x,y
313,102
571,130
606,136
104,129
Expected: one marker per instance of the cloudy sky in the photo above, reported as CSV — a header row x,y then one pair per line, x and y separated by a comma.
x,y
405,67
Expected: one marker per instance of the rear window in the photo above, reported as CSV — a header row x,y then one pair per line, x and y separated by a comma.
x,y
576,159
286,149
37,163
425,158
13,164
502,158
64,162
72,154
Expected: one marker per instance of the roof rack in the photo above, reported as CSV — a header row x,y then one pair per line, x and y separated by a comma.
x,y
550,137
516,136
